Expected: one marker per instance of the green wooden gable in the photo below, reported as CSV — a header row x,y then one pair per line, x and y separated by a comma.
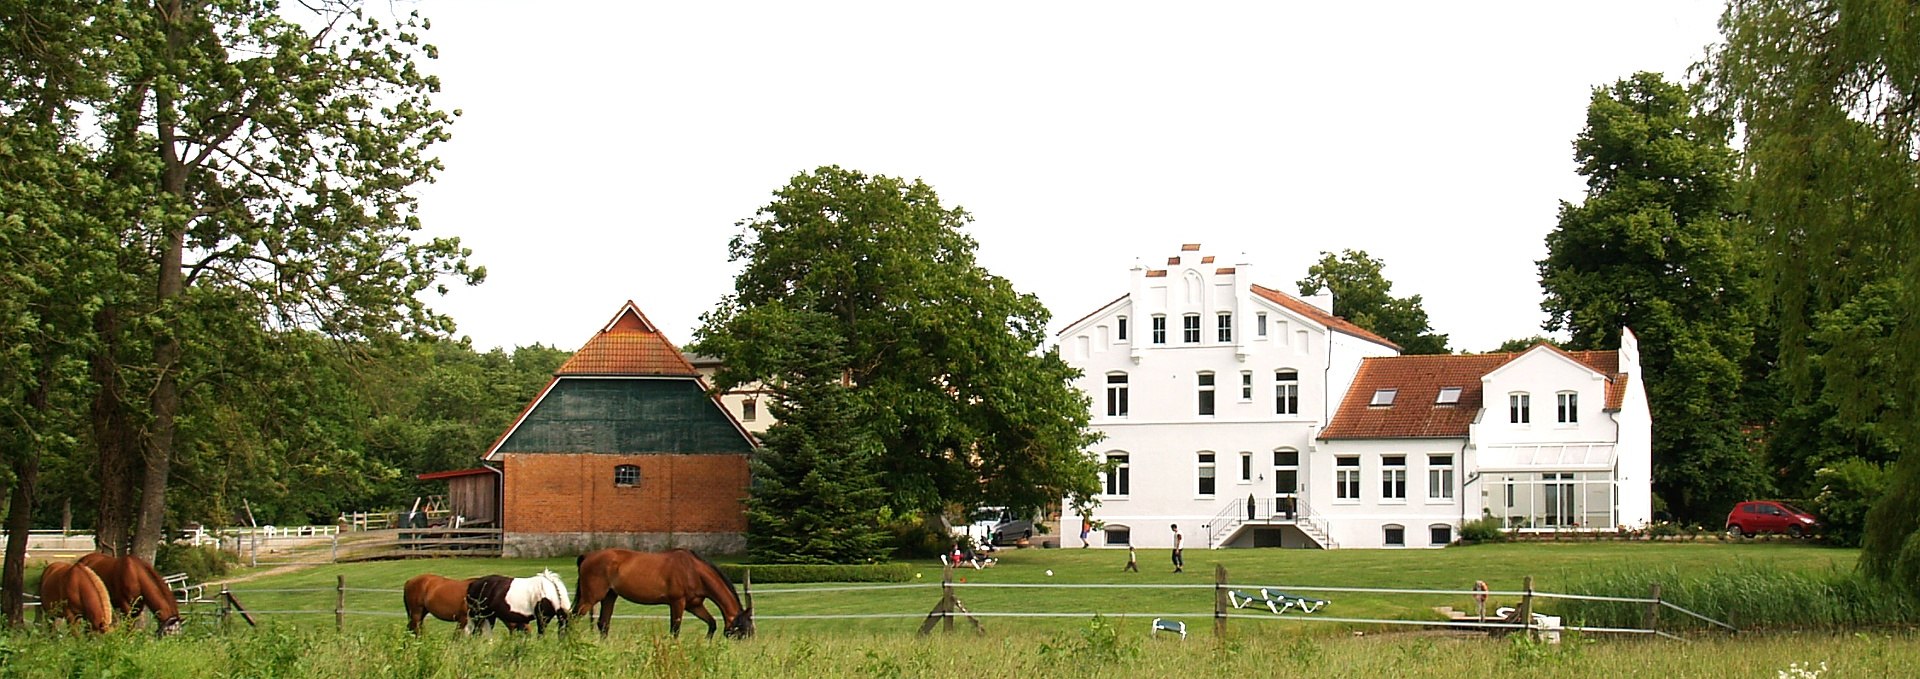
x,y
625,416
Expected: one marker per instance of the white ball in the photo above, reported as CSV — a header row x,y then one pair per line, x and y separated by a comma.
x,y
1049,572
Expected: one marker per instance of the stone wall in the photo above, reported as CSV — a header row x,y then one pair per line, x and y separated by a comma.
x,y
541,545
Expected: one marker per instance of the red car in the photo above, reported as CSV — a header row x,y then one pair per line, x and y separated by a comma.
x,y
1766,516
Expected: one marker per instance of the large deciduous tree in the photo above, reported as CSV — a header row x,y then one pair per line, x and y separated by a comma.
x,y
942,362
1362,294
1656,245
1828,95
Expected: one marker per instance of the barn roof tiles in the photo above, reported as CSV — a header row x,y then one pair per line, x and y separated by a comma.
x,y
628,345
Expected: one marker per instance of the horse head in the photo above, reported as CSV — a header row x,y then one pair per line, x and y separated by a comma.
x,y
741,626
554,591
168,627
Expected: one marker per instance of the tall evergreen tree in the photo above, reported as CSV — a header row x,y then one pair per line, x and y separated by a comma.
x,y
1656,246
1826,92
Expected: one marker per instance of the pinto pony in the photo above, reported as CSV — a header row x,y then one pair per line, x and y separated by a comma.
x,y
678,578
136,587
74,591
445,598
518,601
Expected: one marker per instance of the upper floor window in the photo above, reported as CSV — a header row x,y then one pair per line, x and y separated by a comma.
x,y
626,476
1120,328
1159,329
1226,327
1190,328
1286,392
749,410
1393,477
1246,385
1519,408
1569,407
1346,478
1439,477
1260,324
1117,395
1119,476
1206,393
1206,473
1246,466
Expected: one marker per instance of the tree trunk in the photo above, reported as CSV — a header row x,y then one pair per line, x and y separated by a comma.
x,y
26,475
166,347
112,434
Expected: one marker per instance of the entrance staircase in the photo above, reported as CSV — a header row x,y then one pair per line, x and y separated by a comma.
x,y
1238,516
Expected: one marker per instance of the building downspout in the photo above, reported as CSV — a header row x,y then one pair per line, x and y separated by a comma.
x,y
500,499
1464,481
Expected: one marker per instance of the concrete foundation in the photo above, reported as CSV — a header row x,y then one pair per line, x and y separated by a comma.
x,y
541,545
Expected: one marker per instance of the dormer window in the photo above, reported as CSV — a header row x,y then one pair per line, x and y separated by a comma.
x,y
1383,397
1448,396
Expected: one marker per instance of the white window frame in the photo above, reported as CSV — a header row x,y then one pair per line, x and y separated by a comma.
x,y
622,470
1224,326
1159,328
1206,472
1519,408
1246,385
1119,481
1440,526
1286,392
1205,402
1386,535
1393,479
1117,395
1440,478
1567,407
1260,324
1190,329
1246,467
1346,479
1120,327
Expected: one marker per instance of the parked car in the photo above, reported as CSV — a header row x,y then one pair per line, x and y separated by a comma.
x,y
1767,516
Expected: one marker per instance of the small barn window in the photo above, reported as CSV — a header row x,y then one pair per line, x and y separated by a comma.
x,y
749,410
626,476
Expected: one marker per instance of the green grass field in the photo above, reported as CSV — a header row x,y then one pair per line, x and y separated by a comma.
x,y
373,642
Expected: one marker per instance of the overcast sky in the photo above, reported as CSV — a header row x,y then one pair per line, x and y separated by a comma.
x,y
607,151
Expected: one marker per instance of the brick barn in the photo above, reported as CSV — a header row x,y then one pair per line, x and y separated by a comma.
x,y
623,448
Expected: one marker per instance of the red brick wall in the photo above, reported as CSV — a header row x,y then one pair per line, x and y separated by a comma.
x,y
565,493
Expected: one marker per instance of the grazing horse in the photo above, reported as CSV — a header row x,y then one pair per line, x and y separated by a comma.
x,y
678,578
517,601
135,586
445,598
74,591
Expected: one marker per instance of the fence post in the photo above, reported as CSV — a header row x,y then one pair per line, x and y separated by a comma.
x,y
334,557
1653,609
946,599
1526,607
1219,600
226,607
340,604
253,558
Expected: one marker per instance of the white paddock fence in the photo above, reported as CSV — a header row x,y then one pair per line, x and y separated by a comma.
x,y
227,603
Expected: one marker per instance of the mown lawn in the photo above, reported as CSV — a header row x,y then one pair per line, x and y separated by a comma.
x,y
373,600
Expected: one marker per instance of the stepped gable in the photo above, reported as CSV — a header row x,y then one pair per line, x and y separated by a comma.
x,y
1334,323
1418,381
628,345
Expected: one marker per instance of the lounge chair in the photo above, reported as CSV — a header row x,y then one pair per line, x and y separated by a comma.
x,y
1279,602
1164,625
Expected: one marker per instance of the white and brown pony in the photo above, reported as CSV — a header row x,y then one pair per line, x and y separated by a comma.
x,y
75,592
518,601
136,587
678,578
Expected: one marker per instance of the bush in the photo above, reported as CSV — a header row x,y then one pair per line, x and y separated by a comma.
x,y
1847,490
199,563
786,572
1483,529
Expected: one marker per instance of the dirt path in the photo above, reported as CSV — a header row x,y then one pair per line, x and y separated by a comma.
x,y
277,570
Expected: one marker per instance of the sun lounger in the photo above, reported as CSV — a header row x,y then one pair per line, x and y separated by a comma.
x,y
1164,625
1279,602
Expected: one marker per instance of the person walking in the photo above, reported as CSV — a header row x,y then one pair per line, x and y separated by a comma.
x,y
1133,560
1178,562
1086,529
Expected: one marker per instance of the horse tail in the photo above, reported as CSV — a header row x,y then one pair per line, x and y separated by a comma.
x,y
90,593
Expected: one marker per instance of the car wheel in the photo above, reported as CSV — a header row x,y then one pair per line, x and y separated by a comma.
x,y
1793,531
1733,530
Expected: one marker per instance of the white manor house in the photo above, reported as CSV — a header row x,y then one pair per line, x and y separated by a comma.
x,y
1254,418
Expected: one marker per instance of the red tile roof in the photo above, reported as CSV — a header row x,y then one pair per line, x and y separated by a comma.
x,y
628,345
1189,247
1419,379
1335,323
1156,273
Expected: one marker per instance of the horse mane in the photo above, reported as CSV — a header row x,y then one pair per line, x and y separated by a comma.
x,y
742,603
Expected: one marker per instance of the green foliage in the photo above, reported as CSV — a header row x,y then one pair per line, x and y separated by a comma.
x,y
942,363
1517,345
1824,93
1848,490
1750,596
1483,529
1362,294
798,572
201,563
1655,246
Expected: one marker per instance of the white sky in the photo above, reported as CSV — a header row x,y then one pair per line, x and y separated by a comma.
x,y
606,153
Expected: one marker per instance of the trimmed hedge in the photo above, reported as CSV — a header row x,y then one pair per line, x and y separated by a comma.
x,y
802,572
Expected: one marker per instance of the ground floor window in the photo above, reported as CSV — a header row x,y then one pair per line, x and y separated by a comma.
x,y
1442,534
1396,535
1554,500
1119,535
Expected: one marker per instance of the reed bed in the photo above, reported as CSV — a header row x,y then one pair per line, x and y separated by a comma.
x,y
1747,595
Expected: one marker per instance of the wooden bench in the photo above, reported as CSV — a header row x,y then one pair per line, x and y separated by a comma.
x,y
184,591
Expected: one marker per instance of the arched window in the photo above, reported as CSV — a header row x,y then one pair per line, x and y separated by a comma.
x,y
1119,535
1116,394
1442,534
1286,392
1120,478
626,476
1396,535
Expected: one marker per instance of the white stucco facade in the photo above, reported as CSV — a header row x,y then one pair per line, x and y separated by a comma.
x,y
1259,466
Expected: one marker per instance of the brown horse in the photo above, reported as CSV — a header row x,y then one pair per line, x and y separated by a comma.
x,y
445,598
74,591
678,578
136,587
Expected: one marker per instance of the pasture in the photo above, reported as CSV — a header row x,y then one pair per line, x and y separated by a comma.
x,y
297,613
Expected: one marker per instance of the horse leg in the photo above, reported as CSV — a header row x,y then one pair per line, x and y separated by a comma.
x,y
677,609
700,610
606,614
